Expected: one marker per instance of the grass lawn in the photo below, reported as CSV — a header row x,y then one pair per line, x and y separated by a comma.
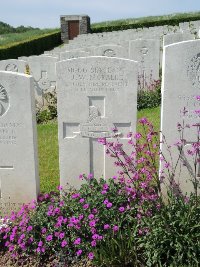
x,y
48,149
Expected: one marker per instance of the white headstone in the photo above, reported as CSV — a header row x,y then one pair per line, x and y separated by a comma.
x,y
181,85
19,180
177,37
95,94
42,68
13,65
73,54
147,53
111,51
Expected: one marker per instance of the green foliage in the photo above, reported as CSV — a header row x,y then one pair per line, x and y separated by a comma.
x,y
149,98
33,45
6,28
50,111
152,21
174,234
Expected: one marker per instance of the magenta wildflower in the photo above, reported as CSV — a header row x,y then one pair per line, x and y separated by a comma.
x,y
44,230
115,228
109,205
79,252
64,243
91,216
29,228
106,226
121,209
91,256
93,243
86,206
49,238
40,244
77,241
81,200
61,235
92,223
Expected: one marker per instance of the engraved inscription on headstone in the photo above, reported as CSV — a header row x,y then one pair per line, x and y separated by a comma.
x,y
193,70
109,53
19,179
91,97
180,87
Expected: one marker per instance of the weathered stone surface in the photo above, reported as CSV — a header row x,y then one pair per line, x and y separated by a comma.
x,y
147,53
13,65
177,37
181,85
73,54
42,68
19,180
95,94
111,51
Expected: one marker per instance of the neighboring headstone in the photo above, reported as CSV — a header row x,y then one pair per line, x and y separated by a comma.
x,y
13,65
111,51
73,54
177,37
147,53
181,85
19,179
95,94
42,68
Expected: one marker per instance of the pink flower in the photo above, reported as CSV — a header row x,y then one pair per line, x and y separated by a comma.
x,y
93,243
60,187
79,252
90,176
91,216
92,223
106,201
109,205
115,228
91,256
75,195
44,230
61,235
40,244
49,238
64,243
105,186
103,192
121,209
198,97
81,200
77,241
106,226
86,206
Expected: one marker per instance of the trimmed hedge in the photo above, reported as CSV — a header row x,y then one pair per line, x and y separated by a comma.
x,y
153,23
35,46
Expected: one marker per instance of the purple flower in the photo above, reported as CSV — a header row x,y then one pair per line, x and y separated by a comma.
x,y
64,243
198,97
106,226
95,211
38,250
40,244
81,200
90,176
103,192
29,228
109,205
91,216
61,235
91,256
92,223
60,187
79,252
105,186
86,206
77,241
75,195
93,243
49,238
115,228
44,230
106,201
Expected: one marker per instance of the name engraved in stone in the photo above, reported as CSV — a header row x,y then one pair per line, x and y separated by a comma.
x,y
95,79
10,206
96,134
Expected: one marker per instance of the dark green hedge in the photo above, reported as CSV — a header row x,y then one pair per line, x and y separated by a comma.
x,y
31,47
142,24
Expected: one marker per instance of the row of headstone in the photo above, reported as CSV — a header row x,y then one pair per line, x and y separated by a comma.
x,y
95,94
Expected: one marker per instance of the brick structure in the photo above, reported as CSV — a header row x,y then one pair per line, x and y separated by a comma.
x,y
73,25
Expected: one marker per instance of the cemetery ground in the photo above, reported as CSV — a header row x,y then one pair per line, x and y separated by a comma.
x,y
48,148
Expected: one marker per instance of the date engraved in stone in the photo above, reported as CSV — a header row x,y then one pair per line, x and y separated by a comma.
x,y
11,67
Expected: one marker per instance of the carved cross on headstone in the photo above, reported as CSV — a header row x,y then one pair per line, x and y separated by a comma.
x,y
45,83
96,126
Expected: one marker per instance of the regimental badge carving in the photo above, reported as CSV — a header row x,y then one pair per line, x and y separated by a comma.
x,y
144,50
96,126
109,53
44,83
193,71
3,100
11,67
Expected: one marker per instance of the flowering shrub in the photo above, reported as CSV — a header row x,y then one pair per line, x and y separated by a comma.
x,y
119,222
